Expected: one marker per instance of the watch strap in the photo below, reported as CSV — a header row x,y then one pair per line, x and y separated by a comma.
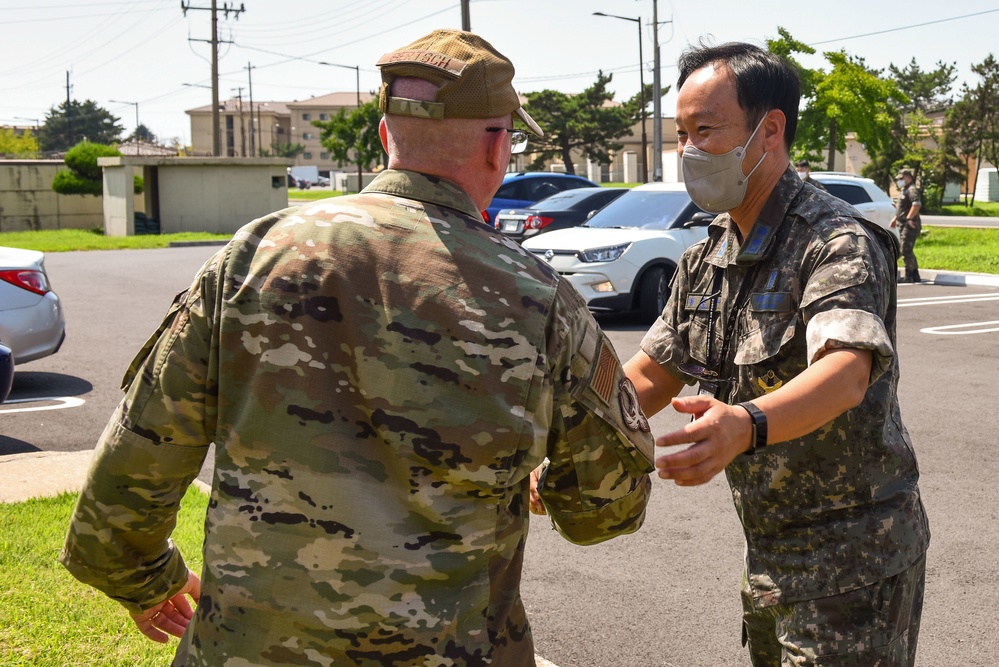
x,y
758,438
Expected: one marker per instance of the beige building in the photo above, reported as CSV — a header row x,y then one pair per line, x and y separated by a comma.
x,y
244,134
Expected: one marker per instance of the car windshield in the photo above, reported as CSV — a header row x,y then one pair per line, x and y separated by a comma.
x,y
563,201
646,209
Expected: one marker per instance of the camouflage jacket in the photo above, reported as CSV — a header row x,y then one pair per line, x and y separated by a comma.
x,y
840,508
907,198
380,374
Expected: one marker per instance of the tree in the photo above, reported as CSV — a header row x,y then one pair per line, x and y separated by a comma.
x,y
849,98
142,133
72,122
285,150
12,144
974,120
927,91
85,176
352,137
581,122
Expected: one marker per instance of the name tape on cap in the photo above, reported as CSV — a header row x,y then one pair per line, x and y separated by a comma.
x,y
428,58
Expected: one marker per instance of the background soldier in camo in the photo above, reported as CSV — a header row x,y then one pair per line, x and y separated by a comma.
x,y
380,374
909,223
785,318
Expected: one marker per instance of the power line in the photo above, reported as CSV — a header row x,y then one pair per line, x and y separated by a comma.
x,y
907,27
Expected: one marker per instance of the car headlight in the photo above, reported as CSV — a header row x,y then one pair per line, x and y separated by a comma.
x,y
608,254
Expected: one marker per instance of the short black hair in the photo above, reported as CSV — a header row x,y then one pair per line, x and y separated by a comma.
x,y
763,80
803,163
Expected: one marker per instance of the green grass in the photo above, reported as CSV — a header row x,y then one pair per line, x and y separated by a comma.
x,y
987,209
64,240
958,249
295,196
49,618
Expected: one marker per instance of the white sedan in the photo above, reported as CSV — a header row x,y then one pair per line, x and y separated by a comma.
x,y
31,317
872,202
624,257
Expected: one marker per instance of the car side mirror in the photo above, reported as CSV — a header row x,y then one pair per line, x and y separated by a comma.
x,y
699,219
591,214
6,371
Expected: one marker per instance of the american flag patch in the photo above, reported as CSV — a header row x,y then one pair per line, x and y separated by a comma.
x,y
602,381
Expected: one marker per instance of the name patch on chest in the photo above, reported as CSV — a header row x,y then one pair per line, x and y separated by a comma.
x,y
771,302
701,302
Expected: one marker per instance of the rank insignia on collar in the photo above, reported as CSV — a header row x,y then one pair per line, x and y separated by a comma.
x,y
769,382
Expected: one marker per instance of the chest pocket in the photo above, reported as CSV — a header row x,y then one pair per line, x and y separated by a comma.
x,y
769,319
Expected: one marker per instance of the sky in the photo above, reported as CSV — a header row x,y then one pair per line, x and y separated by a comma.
x,y
145,55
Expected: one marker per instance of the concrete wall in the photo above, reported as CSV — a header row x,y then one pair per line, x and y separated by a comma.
x,y
27,201
217,195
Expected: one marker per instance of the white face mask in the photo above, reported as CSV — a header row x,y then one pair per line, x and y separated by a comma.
x,y
716,182
900,183
802,175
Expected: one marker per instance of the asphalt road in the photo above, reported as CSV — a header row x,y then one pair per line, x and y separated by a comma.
x,y
958,221
668,595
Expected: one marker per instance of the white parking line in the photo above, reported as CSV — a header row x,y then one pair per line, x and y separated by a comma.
x,y
962,329
940,300
62,403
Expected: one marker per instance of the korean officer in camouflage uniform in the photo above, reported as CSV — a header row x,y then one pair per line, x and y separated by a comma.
x,y
909,224
785,319
380,375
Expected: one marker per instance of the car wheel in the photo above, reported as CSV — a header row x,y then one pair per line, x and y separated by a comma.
x,y
653,292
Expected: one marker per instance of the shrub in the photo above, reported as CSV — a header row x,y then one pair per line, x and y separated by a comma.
x,y
85,176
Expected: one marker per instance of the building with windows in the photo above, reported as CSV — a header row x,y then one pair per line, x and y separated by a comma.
x,y
268,125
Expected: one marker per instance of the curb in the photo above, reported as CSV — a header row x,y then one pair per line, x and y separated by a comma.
x,y
959,279
190,244
39,474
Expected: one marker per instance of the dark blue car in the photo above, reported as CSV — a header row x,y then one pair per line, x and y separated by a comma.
x,y
525,188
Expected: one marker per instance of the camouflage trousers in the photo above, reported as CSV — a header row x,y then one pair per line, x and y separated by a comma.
x,y
875,626
908,236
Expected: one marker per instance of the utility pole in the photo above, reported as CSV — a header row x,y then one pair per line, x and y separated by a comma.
x,y
657,101
69,114
214,41
253,145
466,16
242,122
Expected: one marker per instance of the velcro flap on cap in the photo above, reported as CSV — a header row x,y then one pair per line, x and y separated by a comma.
x,y
401,106
452,66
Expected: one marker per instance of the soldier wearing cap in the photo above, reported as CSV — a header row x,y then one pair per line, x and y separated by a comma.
x,y
784,318
805,174
380,375
910,225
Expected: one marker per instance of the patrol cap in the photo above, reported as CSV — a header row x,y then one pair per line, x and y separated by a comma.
x,y
904,172
474,79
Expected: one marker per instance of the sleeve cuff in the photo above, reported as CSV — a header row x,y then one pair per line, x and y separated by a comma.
x,y
850,329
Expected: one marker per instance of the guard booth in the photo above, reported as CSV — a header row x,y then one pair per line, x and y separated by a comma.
x,y
182,194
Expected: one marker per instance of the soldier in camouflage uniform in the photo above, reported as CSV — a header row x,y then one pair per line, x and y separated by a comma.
x,y
805,174
910,225
785,318
380,375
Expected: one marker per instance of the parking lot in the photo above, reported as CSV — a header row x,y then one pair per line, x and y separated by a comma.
x,y
667,595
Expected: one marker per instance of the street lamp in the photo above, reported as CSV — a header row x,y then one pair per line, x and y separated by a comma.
x,y
136,105
357,72
641,85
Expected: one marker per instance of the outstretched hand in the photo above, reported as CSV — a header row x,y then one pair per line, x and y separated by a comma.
x,y
172,616
719,432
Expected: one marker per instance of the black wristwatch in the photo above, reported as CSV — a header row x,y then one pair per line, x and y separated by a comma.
x,y
758,439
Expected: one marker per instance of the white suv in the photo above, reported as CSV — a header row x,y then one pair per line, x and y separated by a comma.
x,y
863,193
624,257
